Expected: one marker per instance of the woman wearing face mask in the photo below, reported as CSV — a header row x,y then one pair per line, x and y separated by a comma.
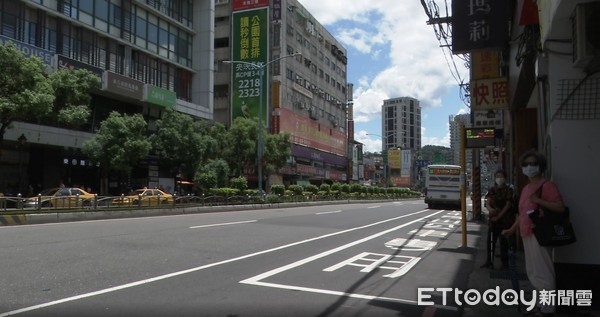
x,y
545,194
501,216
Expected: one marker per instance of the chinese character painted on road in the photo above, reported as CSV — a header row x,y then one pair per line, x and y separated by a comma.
x,y
399,264
429,233
410,244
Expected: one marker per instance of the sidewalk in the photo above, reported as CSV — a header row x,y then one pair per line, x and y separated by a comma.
x,y
483,279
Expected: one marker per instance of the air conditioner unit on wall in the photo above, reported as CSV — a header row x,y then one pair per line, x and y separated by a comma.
x,y
586,35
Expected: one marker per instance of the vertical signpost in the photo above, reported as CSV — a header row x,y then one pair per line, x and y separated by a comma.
x,y
249,44
472,138
250,48
463,188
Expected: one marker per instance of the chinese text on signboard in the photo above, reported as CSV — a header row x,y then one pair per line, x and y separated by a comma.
x,y
249,47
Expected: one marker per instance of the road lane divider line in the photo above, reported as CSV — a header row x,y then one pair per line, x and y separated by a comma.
x,y
223,224
373,207
328,212
199,268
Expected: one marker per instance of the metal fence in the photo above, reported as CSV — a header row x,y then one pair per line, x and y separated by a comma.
x,y
41,203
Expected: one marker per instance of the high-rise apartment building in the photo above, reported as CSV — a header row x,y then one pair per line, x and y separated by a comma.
x,y
304,94
401,130
151,56
401,123
456,123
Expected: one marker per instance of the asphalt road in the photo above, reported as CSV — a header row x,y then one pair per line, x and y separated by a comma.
x,y
334,260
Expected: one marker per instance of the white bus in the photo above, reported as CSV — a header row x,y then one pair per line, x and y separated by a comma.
x,y
442,185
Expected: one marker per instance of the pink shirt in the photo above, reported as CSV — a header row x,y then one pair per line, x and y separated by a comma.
x,y
549,193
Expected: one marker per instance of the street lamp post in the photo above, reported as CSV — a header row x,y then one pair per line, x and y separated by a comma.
x,y
22,140
260,146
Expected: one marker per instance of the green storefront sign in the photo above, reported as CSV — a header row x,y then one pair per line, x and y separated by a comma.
x,y
160,96
249,47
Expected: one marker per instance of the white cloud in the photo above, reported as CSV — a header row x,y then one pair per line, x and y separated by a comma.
x,y
361,39
444,141
371,143
394,32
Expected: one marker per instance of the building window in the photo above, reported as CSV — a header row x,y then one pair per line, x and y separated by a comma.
x,y
30,32
9,25
221,91
101,8
152,33
141,28
87,7
183,84
221,42
115,58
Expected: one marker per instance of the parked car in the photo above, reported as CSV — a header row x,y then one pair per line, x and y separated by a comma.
x,y
144,197
65,197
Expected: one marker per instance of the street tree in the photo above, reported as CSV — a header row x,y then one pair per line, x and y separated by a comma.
x,y
178,142
25,92
71,87
119,144
278,150
212,140
215,173
240,144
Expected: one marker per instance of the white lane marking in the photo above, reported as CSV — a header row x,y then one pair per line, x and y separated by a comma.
x,y
203,267
373,207
328,212
256,280
223,224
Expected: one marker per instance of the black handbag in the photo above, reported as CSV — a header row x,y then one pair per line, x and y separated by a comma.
x,y
552,229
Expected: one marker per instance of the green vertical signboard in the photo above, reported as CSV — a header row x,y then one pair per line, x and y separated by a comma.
x,y
250,45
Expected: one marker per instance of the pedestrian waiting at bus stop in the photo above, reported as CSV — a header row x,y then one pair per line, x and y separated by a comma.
x,y
499,203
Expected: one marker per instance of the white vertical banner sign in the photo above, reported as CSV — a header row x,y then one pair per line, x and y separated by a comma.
x,y
406,163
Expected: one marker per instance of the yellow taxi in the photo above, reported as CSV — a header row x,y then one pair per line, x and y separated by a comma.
x,y
144,197
62,197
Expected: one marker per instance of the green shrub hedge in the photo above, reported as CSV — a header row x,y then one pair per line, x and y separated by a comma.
x,y
324,191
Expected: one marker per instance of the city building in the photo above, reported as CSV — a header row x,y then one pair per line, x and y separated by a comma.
x,y
401,138
151,56
456,123
304,88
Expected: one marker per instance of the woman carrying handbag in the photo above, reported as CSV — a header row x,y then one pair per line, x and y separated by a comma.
x,y
538,259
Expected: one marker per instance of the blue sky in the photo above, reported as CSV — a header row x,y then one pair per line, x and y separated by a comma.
x,y
392,52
